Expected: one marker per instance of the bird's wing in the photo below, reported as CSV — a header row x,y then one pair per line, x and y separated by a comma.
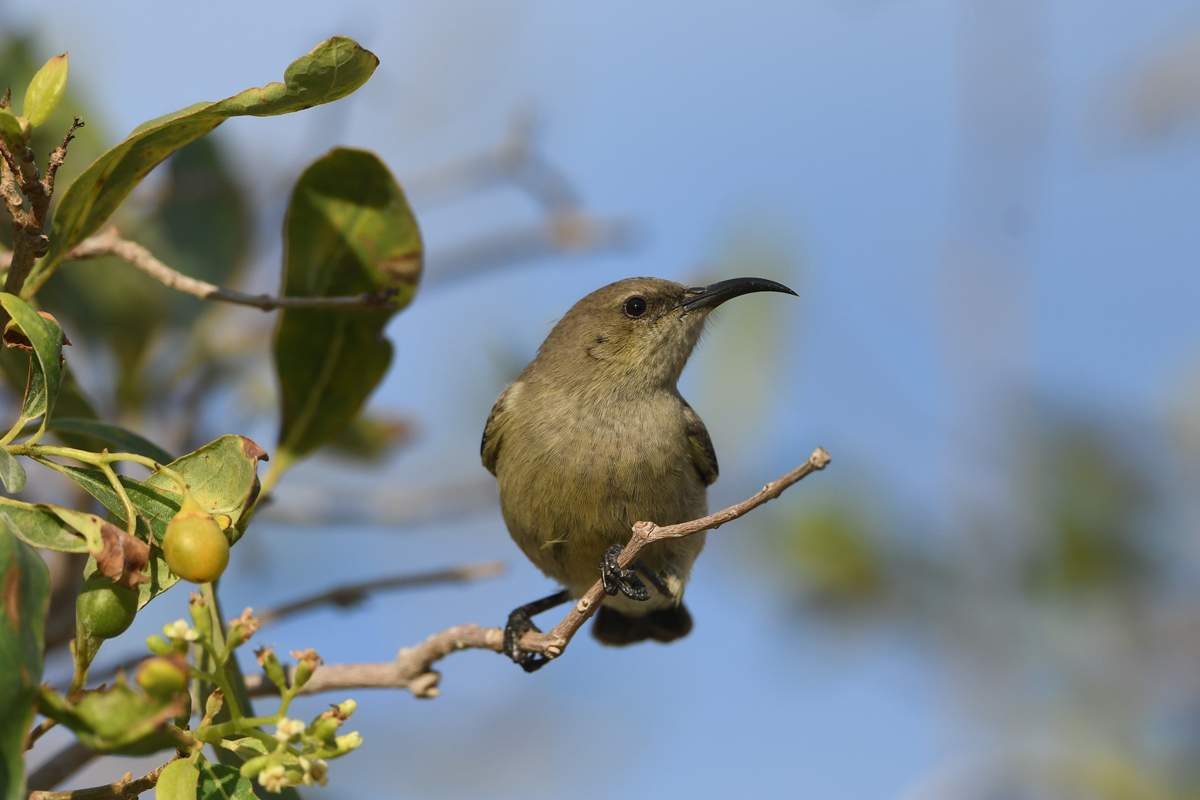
x,y
703,455
489,448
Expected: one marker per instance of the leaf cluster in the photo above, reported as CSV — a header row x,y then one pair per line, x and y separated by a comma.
x,y
349,231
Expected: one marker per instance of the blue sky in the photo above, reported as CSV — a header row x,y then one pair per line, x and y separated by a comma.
x,y
952,187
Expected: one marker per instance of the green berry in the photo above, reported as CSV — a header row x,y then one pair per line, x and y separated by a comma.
x,y
105,609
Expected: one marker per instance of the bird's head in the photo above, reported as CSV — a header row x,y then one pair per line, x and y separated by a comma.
x,y
640,331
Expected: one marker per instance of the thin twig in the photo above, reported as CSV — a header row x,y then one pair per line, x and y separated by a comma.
x,y
38,732
516,160
575,232
57,156
110,243
412,668
62,765
29,241
354,593
127,787
554,642
343,597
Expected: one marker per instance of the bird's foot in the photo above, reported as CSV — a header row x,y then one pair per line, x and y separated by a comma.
x,y
520,622
621,579
655,579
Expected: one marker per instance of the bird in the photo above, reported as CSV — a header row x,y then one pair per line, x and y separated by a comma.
x,y
592,437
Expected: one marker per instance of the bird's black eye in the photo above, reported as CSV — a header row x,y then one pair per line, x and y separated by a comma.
x,y
635,307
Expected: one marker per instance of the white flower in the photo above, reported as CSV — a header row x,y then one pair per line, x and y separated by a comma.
x,y
314,771
273,778
288,729
180,630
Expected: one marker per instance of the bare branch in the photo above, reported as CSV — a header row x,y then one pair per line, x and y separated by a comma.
x,y
29,241
413,667
127,787
573,232
343,597
110,243
354,593
62,765
38,732
553,643
57,156
309,504
516,160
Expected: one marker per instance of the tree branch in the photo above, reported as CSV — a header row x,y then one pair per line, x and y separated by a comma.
x,y
353,593
110,243
29,241
127,787
412,668
342,596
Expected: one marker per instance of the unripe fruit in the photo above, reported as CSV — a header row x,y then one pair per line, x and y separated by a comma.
x,y
105,609
194,546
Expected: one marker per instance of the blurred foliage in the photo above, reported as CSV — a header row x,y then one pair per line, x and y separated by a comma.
x,y
837,555
19,60
199,223
1067,626
156,360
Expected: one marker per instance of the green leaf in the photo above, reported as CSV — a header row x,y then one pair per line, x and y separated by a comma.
x,y
40,527
116,720
12,474
10,129
179,780
151,504
122,439
71,402
349,230
46,90
222,477
24,598
89,526
45,368
334,69
224,782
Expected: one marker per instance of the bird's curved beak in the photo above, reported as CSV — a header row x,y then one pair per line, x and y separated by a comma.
x,y
714,294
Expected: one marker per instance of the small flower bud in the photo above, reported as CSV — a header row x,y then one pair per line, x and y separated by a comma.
x,y
270,664
158,646
201,617
242,629
324,729
251,768
308,662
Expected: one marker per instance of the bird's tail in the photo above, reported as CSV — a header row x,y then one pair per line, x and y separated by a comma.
x,y
665,625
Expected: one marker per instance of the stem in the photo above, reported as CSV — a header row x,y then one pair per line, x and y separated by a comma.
x,y
248,726
82,658
98,460
130,512
280,463
12,433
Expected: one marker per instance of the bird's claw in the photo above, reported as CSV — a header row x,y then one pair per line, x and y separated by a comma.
x,y
519,623
621,579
